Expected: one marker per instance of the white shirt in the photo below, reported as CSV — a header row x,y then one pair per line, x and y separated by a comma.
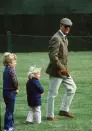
x,y
62,33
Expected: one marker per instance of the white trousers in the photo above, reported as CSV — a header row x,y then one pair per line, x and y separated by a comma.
x,y
69,92
34,114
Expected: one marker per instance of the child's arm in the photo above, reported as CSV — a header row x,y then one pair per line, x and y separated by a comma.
x,y
14,81
39,87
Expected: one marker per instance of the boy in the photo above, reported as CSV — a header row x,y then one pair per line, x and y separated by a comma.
x,y
10,89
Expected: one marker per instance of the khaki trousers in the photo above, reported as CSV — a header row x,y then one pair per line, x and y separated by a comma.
x,y
69,92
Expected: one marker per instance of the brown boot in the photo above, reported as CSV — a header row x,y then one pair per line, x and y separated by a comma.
x,y
64,113
51,118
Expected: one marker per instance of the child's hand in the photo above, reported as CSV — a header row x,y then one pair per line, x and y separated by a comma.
x,y
42,94
17,91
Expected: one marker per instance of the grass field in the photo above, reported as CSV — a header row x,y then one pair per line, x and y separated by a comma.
x,y
80,67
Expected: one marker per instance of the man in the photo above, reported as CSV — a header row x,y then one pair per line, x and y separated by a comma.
x,y
58,72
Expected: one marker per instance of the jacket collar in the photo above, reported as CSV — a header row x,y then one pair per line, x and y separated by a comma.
x,y
62,35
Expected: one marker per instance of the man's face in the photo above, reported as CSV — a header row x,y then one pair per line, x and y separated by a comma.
x,y
65,29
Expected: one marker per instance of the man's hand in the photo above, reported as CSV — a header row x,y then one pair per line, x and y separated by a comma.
x,y
64,71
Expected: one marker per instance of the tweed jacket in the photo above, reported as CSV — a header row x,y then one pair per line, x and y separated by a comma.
x,y
58,53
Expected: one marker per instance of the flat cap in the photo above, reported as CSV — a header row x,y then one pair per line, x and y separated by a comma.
x,y
66,21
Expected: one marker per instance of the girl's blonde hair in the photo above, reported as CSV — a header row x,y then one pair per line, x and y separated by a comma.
x,y
9,58
33,71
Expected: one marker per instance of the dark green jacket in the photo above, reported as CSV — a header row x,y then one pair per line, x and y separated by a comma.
x,y
58,53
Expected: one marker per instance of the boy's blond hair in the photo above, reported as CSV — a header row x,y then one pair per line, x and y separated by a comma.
x,y
33,71
8,58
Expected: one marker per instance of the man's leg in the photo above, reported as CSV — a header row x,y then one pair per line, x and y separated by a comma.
x,y
70,89
52,93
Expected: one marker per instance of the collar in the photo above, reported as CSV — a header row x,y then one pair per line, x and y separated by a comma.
x,y
62,33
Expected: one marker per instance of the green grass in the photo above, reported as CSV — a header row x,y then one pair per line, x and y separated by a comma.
x,y
80,67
